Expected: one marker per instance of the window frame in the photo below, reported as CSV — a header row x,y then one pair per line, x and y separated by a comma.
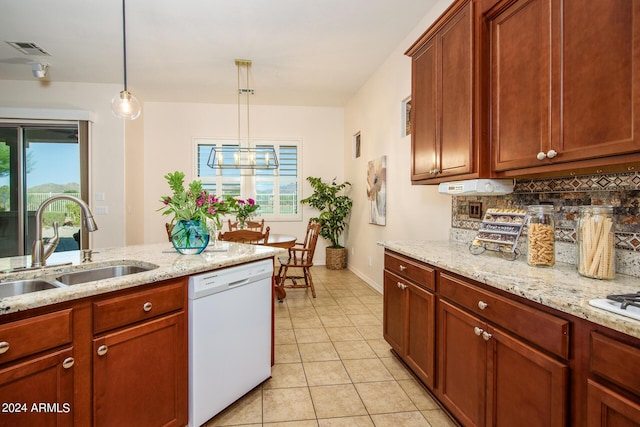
x,y
248,179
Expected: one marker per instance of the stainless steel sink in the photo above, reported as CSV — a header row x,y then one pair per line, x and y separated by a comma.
x,y
20,287
101,273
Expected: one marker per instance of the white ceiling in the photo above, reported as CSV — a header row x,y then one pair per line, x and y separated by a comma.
x,y
304,52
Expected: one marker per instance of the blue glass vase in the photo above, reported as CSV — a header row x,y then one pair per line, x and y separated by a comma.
x,y
190,237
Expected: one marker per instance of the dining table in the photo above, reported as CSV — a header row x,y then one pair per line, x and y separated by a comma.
x,y
285,241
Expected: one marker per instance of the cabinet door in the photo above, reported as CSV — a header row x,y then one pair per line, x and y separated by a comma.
x,y
599,81
455,94
38,392
520,40
394,314
609,409
140,375
462,361
420,345
424,101
524,384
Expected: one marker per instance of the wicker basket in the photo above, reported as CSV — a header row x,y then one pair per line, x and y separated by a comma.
x,y
336,259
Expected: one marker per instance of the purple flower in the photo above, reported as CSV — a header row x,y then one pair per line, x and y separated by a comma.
x,y
240,202
251,201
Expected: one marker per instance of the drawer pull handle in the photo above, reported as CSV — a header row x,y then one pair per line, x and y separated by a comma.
x,y
477,331
403,268
541,155
402,285
147,306
68,362
482,305
4,347
102,350
486,336
552,153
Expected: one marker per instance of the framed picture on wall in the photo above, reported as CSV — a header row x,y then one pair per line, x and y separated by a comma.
x,y
377,190
406,116
356,145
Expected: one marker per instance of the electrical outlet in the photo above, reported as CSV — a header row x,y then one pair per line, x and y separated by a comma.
x,y
475,210
370,263
353,251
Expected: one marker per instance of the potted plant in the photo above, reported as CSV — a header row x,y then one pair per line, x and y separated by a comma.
x,y
335,207
243,209
191,209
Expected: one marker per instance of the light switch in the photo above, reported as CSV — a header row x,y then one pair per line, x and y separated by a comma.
x,y
100,197
101,210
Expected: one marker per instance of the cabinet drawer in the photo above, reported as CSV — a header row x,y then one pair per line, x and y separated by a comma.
x,y
542,329
616,361
124,310
29,336
410,269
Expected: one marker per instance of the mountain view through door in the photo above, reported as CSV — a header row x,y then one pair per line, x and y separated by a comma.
x,y
37,162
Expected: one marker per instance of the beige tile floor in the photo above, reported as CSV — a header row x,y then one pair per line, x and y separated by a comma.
x,y
332,366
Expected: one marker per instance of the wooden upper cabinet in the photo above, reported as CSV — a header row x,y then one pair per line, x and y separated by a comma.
x,y
444,141
565,84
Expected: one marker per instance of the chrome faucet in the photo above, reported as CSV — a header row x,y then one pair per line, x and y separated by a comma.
x,y
40,251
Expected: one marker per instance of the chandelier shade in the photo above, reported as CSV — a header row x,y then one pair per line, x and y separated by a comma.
x,y
236,157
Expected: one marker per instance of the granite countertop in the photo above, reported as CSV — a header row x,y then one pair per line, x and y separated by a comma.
x,y
559,287
169,263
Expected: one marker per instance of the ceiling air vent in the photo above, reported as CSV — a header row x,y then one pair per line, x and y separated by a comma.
x,y
29,48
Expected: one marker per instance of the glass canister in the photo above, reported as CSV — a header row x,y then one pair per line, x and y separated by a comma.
x,y
541,248
596,249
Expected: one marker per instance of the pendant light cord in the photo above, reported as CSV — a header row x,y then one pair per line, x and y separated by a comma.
x,y
124,43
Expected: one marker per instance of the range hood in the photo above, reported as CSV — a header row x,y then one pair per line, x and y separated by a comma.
x,y
477,187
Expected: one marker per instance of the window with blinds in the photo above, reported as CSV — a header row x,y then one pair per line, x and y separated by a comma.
x,y
276,191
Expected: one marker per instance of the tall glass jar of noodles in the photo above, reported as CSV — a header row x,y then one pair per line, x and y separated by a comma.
x,y
596,248
541,249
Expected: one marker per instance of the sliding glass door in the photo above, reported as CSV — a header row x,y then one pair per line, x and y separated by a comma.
x,y
37,161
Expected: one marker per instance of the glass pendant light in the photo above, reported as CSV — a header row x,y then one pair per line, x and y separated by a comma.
x,y
124,105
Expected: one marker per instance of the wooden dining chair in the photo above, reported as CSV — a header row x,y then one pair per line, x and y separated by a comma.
x,y
249,225
300,257
245,236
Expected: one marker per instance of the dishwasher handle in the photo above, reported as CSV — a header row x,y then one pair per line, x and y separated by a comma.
x,y
238,283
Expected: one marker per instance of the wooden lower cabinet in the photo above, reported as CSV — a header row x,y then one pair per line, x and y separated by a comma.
x,y
489,377
409,327
606,408
118,359
38,391
139,375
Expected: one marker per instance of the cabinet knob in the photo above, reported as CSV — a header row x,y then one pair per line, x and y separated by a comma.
x,y
4,347
102,350
541,156
403,268
402,285
68,362
552,153
482,305
477,331
147,306
486,336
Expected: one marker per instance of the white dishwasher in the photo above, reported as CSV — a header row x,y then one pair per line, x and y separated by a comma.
x,y
229,336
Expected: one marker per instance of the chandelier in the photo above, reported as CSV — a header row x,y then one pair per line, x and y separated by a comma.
x,y
242,156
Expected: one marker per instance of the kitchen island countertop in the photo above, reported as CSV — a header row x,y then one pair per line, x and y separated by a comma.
x,y
169,264
559,287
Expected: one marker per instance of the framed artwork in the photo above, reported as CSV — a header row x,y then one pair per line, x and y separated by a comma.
x,y
406,116
356,145
377,190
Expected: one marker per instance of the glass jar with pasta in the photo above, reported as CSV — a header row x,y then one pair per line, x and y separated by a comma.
x,y
596,250
541,248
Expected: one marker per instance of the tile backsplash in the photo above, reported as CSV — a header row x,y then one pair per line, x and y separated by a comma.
x,y
622,191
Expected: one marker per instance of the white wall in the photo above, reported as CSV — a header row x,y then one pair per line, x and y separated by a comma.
x,y
106,144
413,212
170,127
